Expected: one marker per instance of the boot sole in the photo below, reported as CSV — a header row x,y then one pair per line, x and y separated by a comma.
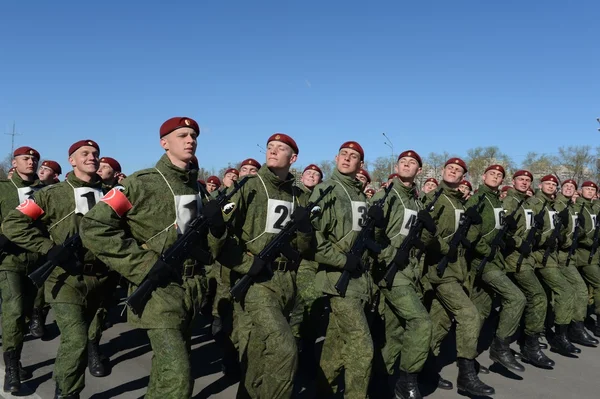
x,y
535,364
496,360
474,393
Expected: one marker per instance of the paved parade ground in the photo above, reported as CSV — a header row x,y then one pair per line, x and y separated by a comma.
x,y
130,355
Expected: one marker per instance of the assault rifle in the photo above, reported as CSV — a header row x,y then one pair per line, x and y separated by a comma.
x,y
595,243
178,252
409,242
498,239
536,225
280,244
460,234
553,240
41,274
363,242
574,244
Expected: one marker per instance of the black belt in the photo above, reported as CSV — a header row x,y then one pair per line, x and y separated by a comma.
x,y
283,265
190,271
93,269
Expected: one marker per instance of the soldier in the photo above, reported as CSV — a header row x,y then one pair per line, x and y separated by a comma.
x,y
588,263
75,287
262,208
524,275
430,184
504,192
493,276
407,322
311,176
348,345
17,290
230,176
10,172
564,201
370,192
466,188
364,177
49,172
213,183
109,171
549,268
249,166
129,232
450,299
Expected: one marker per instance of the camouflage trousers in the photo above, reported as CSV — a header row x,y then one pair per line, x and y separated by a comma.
x,y
536,303
512,299
562,293
591,275
580,292
18,294
452,302
407,329
303,316
348,347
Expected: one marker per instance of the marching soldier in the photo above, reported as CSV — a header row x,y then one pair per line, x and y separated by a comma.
x,y
133,225
364,177
75,289
230,176
431,184
213,183
249,166
49,172
370,192
17,290
109,171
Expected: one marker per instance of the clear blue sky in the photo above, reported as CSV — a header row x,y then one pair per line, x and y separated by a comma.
x,y
434,75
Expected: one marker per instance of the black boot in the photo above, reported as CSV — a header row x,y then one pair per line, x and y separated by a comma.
x,y
24,375
96,360
560,342
479,369
500,353
58,395
532,353
12,383
597,328
431,374
468,381
407,386
578,335
37,325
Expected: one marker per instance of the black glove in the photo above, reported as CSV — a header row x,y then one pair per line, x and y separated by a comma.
x,y
564,216
258,266
401,258
525,249
58,255
452,254
466,244
302,216
376,213
511,223
162,273
509,242
427,220
3,241
214,215
538,219
581,220
353,264
420,245
472,214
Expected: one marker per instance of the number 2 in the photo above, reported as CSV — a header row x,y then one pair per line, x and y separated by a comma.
x,y
283,211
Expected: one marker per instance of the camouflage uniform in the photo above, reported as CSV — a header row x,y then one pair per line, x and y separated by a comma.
x,y
348,345
74,291
589,270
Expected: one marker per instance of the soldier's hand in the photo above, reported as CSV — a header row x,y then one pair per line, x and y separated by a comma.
x,y
509,242
525,249
58,255
376,213
472,214
452,254
465,243
564,216
214,215
353,264
301,215
511,223
401,258
162,273
538,219
581,220
427,220
258,266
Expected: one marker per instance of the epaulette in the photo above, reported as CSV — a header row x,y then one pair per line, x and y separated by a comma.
x,y
149,171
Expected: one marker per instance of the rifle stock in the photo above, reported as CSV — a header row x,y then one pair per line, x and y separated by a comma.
x,y
574,245
41,274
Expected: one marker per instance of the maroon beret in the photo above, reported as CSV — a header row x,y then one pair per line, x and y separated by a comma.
x,y
113,163
176,123
12,169
251,162
506,188
312,166
370,190
214,180
83,143
284,138
549,178
354,146
232,170
456,161
365,174
589,184
466,183
496,167
523,173
26,151
53,165
393,175
412,154
573,182
433,180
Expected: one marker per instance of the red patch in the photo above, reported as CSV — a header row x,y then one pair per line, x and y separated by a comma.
x,y
31,209
117,201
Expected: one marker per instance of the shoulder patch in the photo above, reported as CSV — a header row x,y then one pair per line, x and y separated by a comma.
x,y
117,201
31,209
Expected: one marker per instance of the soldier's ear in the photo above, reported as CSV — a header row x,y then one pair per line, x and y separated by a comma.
x,y
362,164
293,158
14,163
418,171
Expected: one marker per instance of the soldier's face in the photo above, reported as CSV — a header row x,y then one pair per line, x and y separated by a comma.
x,y
463,188
568,189
280,155
348,161
407,168
210,187
106,172
311,178
369,193
85,159
588,192
503,194
453,174
428,187
362,178
548,187
522,183
248,170
493,178
46,175
25,164
229,178
180,144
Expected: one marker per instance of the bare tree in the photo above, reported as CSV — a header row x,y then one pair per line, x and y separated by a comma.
x,y
5,165
327,167
540,164
479,158
578,162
